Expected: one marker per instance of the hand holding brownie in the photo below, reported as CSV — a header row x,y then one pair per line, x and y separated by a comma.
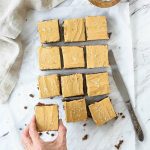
x,y
32,141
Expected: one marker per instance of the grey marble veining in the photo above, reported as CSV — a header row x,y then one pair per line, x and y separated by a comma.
x,y
140,21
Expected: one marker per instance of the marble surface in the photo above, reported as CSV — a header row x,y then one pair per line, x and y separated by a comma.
x,y
139,14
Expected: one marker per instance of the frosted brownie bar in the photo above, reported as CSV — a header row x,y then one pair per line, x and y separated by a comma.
x,y
49,31
49,86
46,117
96,28
74,30
75,110
102,111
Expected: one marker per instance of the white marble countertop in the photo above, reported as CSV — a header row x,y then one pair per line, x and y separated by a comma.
x,y
140,20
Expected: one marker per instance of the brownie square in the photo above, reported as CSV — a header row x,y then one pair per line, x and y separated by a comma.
x,y
73,57
97,84
46,117
96,28
97,56
49,58
49,86
102,111
74,30
49,31
72,85
75,110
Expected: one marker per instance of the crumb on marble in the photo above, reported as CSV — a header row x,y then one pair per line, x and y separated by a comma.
x,y
123,116
47,132
85,137
25,107
31,95
84,124
109,34
119,144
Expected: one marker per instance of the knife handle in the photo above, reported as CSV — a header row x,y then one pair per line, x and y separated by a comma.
x,y
135,121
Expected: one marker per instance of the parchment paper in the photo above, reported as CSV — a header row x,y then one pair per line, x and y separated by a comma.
x,y
99,138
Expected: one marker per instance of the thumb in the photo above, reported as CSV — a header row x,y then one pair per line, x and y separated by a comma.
x,y
61,132
33,131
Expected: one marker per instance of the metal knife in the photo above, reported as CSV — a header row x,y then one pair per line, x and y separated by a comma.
x,y
124,93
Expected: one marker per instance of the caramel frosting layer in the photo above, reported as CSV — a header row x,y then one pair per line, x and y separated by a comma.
x,y
97,56
96,28
97,84
72,85
73,57
49,31
49,86
46,117
74,30
102,111
75,110
49,58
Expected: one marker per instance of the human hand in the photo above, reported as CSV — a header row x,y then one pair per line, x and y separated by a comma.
x,y
32,141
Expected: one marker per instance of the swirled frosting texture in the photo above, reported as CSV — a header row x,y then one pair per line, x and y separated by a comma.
x,y
74,30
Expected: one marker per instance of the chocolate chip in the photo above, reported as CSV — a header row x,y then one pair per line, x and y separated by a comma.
x,y
31,95
20,128
52,134
25,107
123,116
47,132
109,34
84,124
40,133
85,137
119,144
25,124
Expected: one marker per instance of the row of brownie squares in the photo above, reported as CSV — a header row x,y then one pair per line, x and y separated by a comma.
x,y
75,30
75,110
66,57
73,85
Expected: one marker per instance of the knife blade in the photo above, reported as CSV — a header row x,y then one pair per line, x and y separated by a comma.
x,y
125,95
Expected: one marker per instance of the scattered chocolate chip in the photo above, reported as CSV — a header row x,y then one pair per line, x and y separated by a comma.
x,y
26,19
52,134
119,144
40,134
20,128
38,88
25,107
47,132
123,116
85,137
109,34
31,95
25,124
84,124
